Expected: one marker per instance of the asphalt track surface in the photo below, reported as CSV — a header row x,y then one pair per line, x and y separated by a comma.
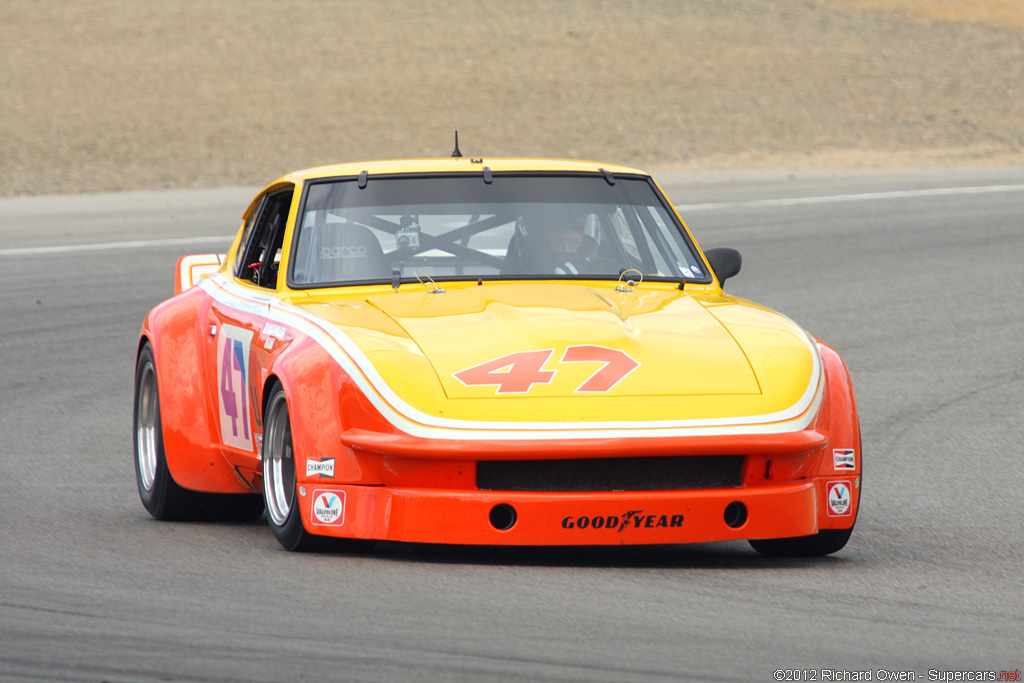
x,y
917,279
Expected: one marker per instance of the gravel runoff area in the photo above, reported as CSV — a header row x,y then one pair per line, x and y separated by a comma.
x,y
100,95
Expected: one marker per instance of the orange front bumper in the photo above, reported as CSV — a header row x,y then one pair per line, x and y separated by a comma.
x,y
592,518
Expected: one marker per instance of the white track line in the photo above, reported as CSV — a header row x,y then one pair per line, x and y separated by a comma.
x,y
105,246
860,197
682,208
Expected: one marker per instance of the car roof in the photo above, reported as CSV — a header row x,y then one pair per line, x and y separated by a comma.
x,y
455,165
443,165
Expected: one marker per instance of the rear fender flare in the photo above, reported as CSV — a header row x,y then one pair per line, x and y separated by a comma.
x,y
193,453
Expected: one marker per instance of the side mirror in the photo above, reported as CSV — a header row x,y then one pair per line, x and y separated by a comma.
x,y
725,262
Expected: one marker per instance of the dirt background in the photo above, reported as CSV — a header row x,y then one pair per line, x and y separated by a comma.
x,y
106,95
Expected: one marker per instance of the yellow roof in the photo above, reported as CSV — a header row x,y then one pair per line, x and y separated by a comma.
x,y
464,164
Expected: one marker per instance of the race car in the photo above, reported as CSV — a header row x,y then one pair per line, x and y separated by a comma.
x,y
518,352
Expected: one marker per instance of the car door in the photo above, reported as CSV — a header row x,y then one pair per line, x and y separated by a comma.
x,y
234,322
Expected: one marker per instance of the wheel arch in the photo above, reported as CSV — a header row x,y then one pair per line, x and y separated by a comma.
x,y
840,408
314,385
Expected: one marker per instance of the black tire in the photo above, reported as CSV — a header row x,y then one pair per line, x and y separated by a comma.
x,y
280,486
162,497
825,542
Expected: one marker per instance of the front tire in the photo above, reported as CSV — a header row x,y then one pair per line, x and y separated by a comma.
x,y
280,486
162,497
825,542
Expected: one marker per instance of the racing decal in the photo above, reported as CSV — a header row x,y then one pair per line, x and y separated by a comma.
x,y
272,332
233,390
615,365
343,252
324,468
259,446
516,373
840,501
631,519
328,508
843,459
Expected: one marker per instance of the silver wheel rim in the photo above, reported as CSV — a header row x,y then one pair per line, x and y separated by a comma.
x,y
278,462
148,412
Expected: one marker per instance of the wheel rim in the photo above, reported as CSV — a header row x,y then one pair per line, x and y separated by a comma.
x,y
278,462
146,418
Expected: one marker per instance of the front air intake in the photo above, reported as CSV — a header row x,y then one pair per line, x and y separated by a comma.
x,y
611,474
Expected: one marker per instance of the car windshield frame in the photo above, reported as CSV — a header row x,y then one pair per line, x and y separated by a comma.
x,y
646,233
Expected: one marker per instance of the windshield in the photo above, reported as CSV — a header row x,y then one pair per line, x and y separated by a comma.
x,y
460,227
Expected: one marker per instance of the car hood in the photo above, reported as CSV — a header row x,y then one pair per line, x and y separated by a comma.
x,y
555,352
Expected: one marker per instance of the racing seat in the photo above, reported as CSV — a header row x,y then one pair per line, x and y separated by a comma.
x,y
349,252
515,256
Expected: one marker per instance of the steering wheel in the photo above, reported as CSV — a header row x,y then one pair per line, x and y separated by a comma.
x,y
588,265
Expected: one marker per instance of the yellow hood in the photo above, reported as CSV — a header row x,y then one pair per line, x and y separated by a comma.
x,y
674,355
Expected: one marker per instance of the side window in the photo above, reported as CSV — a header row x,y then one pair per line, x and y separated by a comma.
x,y
261,255
250,224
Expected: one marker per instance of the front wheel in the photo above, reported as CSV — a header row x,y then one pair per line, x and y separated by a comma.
x,y
280,486
825,542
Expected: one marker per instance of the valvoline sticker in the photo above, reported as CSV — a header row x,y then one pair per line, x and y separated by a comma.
x,y
328,508
840,498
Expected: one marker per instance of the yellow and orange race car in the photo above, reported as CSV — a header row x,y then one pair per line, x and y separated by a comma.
x,y
487,351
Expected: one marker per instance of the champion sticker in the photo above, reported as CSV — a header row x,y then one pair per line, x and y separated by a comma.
x,y
324,468
843,459
840,502
328,508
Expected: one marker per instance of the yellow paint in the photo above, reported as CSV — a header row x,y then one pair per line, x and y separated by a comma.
x,y
691,365
703,354
450,165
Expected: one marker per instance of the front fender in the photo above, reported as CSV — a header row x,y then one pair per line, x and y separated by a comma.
x,y
838,419
321,406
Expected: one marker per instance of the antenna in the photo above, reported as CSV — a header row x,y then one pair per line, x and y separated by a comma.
x,y
456,153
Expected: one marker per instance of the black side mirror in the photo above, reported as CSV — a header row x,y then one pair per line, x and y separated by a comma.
x,y
725,262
